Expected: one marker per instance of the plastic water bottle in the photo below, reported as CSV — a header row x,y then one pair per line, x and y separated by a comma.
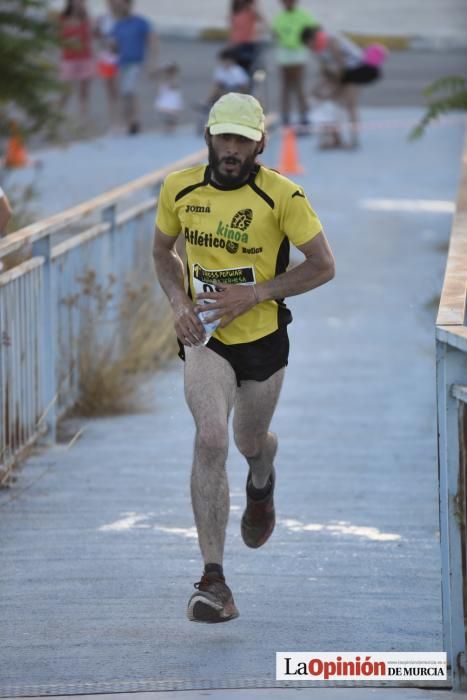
x,y
209,326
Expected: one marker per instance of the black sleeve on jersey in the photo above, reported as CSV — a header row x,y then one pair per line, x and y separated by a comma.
x,y
258,190
190,188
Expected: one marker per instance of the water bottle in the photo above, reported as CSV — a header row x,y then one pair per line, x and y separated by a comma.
x,y
209,326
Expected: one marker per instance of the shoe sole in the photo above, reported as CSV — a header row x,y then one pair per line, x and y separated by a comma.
x,y
199,610
254,544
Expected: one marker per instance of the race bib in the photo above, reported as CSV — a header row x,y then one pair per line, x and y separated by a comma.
x,y
204,281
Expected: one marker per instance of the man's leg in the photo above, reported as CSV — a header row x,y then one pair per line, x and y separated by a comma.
x,y
299,83
254,407
349,98
296,81
285,94
84,87
129,89
210,387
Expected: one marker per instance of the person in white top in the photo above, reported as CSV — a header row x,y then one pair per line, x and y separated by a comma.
x,y
169,99
228,76
344,68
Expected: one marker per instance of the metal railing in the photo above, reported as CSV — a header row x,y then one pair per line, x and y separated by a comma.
x,y
451,363
41,323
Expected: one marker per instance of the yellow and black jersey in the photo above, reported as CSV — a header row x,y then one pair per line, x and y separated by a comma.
x,y
237,236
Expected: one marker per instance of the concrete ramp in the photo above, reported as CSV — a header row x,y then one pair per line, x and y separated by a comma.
x,y
98,546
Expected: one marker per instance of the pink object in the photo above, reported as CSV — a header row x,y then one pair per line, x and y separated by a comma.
x,y
320,42
375,54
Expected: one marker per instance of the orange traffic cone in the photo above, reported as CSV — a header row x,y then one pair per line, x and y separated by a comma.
x,y
288,163
16,155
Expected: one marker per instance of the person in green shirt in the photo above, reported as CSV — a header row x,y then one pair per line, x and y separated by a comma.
x,y
288,26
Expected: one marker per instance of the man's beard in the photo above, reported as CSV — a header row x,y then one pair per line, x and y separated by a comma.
x,y
229,179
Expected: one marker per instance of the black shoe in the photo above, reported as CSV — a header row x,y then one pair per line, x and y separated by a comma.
x,y
259,518
213,601
133,129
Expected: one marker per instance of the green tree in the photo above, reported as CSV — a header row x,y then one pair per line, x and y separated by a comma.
x,y
29,82
448,94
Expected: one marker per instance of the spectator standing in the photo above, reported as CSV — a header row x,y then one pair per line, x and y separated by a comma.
x,y
136,44
107,58
77,63
345,67
288,26
245,21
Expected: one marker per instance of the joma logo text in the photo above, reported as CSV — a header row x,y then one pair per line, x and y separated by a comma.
x,y
195,209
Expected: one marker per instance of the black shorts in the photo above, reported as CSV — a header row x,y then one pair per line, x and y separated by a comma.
x,y
257,360
361,75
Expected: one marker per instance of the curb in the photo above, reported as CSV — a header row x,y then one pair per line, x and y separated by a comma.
x,y
394,42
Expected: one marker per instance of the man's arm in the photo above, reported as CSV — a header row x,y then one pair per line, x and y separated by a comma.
x,y
169,269
317,269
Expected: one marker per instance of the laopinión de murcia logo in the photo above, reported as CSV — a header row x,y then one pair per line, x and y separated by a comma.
x,y
340,666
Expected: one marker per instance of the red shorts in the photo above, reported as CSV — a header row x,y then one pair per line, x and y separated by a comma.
x,y
77,69
107,70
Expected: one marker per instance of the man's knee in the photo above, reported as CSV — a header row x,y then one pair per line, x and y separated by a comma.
x,y
213,439
249,446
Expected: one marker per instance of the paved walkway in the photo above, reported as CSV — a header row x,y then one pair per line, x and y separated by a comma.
x,y
98,548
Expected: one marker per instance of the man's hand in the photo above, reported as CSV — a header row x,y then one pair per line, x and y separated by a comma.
x,y
228,302
188,327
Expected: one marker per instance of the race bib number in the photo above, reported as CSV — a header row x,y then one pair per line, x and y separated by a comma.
x,y
205,280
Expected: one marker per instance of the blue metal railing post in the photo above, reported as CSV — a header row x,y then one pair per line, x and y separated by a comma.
x,y
109,216
451,366
48,339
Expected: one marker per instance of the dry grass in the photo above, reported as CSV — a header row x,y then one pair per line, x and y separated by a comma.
x,y
116,354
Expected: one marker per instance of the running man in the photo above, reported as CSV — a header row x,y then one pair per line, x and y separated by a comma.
x,y
237,218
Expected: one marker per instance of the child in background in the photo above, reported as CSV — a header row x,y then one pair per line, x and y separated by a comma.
x,y
326,118
228,76
169,99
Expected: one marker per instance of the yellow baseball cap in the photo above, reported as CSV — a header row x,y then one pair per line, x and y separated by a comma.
x,y
237,113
